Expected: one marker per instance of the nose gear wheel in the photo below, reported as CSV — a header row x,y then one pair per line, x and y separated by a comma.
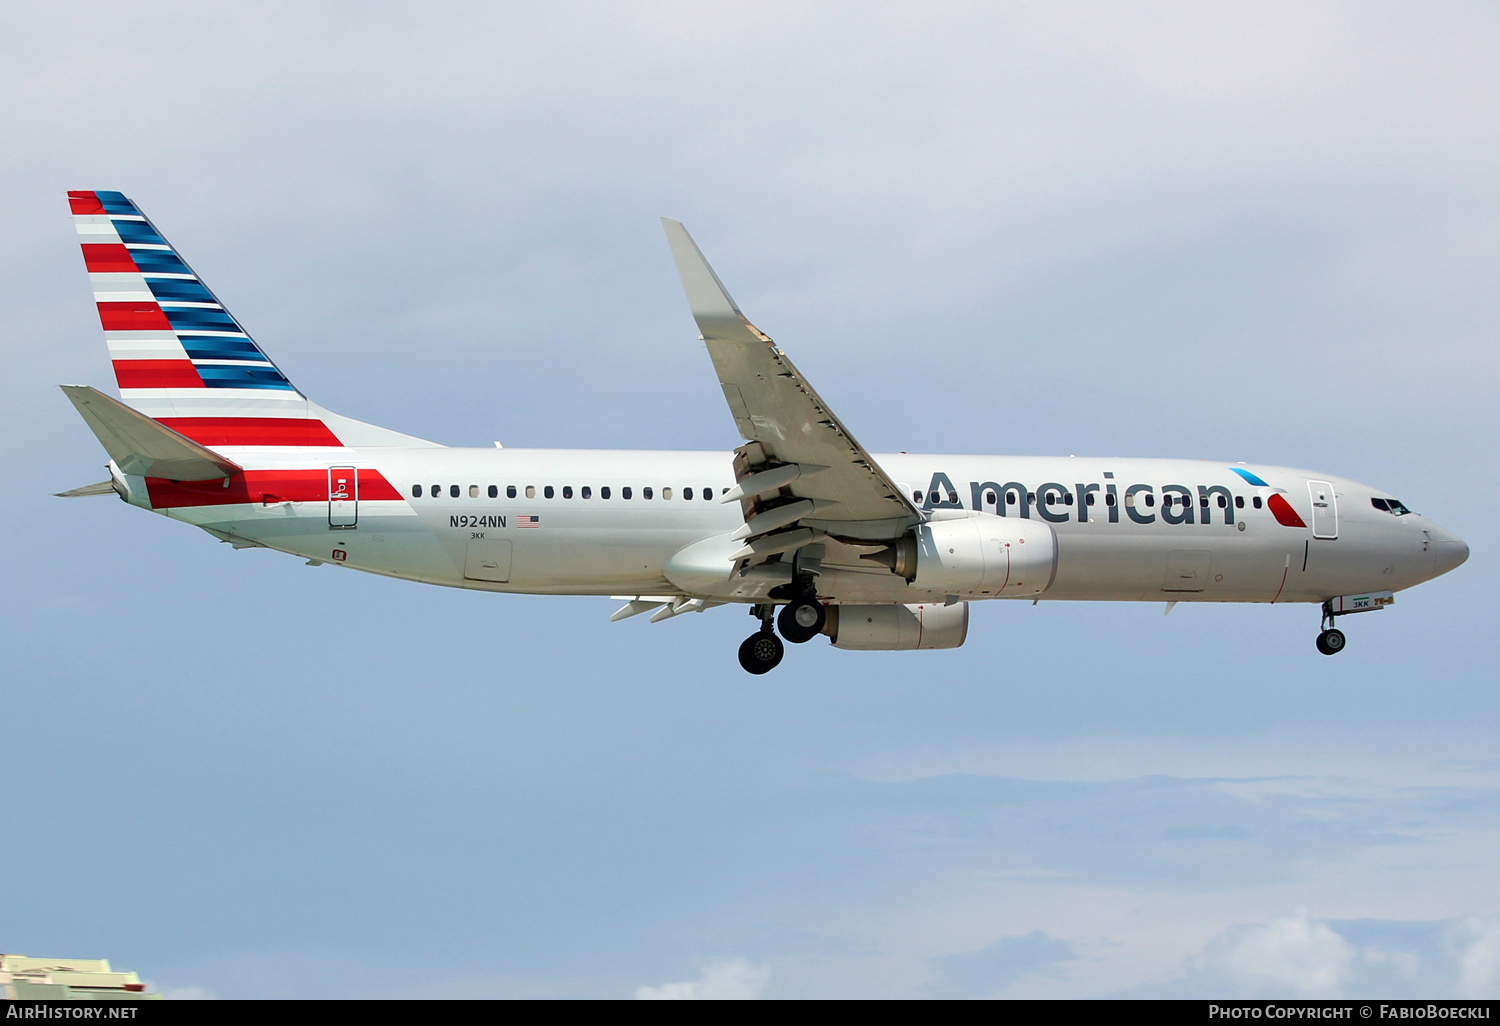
x,y
1331,641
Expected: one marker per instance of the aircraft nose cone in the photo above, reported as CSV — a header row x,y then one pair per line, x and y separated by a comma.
x,y
1450,554
1449,551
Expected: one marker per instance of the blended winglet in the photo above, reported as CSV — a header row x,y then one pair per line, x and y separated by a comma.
x,y
140,445
715,311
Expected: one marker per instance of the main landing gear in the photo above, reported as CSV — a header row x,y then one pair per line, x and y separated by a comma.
x,y
1330,640
800,620
761,652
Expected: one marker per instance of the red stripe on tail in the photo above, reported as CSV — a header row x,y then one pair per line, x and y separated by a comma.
x,y
252,430
85,203
133,317
157,374
107,257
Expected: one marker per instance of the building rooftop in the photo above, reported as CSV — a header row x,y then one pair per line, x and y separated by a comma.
x,y
68,979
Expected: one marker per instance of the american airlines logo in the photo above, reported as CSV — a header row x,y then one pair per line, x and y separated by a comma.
x,y
1058,503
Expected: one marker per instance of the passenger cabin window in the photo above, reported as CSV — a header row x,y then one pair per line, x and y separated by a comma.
x,y
1239,502
687,493
585,492
1109,500
604,492
708,493
494,492
531,491
1255,502
473,491
646,492
625,492
567,491
1223,502
547,492
1091,498
666,493
416,491
437,491
453,491
916,496
510,491
1150,499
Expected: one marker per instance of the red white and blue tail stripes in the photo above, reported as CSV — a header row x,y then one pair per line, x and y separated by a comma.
x,y
179,356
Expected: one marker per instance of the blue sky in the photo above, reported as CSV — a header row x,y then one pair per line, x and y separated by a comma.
x,y
1261,232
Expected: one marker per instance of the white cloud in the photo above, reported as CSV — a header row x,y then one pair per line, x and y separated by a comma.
x,y
1478,944
1292,955
727,979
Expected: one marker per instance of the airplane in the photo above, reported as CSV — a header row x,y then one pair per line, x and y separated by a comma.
x,y
816,535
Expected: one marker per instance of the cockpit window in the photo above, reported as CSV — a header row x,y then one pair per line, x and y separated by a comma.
x,y
1395,506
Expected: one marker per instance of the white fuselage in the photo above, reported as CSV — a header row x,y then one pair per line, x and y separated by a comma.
x,y
1116,538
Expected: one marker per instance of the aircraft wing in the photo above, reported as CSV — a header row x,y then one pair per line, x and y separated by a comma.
x,y
813,478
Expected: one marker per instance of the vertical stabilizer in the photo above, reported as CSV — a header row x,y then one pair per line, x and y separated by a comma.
x,y
180,357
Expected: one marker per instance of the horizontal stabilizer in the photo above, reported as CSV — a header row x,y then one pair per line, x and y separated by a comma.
x,y
102,488
140,445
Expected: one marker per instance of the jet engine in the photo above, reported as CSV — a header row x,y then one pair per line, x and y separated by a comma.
x,y
976,555
896,628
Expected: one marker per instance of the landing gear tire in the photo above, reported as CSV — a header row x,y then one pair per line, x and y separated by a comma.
x,y
761,652
801,621
1331,641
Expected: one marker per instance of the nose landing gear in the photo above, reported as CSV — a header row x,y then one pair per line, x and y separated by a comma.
x,y
1330,639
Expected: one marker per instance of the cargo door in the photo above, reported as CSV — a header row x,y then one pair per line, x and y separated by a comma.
x,y
488,560
1187,570
1325,509
343,497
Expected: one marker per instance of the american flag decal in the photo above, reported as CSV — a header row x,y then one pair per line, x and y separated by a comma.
x,y
528,521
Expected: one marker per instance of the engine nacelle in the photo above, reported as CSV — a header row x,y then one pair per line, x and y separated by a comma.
x,y
895,628
982,555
